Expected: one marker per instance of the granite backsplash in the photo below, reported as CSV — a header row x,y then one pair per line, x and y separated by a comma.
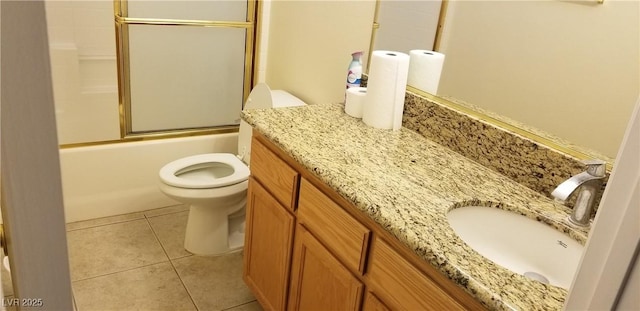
x,y
531,164
527,162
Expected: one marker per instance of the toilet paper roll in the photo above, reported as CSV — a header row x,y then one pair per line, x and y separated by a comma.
x,y
355,101
386,90
425,68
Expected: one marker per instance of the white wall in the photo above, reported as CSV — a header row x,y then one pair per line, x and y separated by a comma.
x,y
571,68
84,69
310,45
262,46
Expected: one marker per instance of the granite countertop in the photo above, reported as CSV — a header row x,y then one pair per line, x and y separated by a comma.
x,y
407,184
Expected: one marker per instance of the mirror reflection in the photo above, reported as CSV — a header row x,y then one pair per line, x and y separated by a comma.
x,y
407,25
570,69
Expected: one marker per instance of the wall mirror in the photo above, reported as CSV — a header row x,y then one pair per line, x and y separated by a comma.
x,y
567,68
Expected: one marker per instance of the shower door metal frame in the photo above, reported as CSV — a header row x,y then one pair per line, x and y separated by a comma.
x,y
122,21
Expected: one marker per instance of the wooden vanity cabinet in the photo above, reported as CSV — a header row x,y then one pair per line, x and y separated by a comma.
x,y
342,234
307,248
318,280
267,251
270,225
372,303
403,286
275,174
329,247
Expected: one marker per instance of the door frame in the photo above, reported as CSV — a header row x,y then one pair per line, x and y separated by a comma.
x,y
614,240
32,203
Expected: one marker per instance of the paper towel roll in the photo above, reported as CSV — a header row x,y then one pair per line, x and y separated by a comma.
x,y
425,68
355,101
386,90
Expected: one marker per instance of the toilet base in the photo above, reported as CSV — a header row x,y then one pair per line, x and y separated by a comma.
x,y
215,231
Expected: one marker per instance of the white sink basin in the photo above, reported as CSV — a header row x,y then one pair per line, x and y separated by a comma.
x,y
518,243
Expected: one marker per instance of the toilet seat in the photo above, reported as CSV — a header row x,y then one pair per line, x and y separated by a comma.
x,y
231,171
215,185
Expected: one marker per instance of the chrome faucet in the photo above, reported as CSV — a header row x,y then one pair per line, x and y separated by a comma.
x,y
589,183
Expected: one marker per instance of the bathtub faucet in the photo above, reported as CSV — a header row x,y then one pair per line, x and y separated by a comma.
x,y
589,182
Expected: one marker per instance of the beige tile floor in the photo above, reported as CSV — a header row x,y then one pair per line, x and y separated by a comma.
x,y
137,262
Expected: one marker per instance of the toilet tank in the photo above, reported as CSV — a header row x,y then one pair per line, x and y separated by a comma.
x,y
262,97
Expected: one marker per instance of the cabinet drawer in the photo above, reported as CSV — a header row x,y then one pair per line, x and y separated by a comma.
x,y
276,175
401,285
345,236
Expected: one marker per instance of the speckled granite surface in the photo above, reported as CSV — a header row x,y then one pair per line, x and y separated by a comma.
x,y
532,164
528,162
590,152
407,183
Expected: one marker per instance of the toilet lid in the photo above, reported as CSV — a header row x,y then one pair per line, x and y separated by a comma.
x,y
210,170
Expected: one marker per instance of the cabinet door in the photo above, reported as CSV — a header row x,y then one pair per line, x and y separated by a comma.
x,y
267,252
372,303
318,280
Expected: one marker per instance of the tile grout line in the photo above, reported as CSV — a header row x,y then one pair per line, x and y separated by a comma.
x,y
128,269
182,282
106,224
242,304
163,214
143,215
155,235
123,220
171,260
112,273
166,253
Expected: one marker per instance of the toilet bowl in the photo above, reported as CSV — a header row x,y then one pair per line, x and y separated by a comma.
x,y
214,185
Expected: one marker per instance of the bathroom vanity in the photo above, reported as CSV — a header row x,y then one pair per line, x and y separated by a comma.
x,y
305,249
348,217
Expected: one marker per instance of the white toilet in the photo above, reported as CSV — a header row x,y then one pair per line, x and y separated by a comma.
x,y
215,185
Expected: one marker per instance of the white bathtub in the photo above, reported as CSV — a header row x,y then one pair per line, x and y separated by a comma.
x,y
107,180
